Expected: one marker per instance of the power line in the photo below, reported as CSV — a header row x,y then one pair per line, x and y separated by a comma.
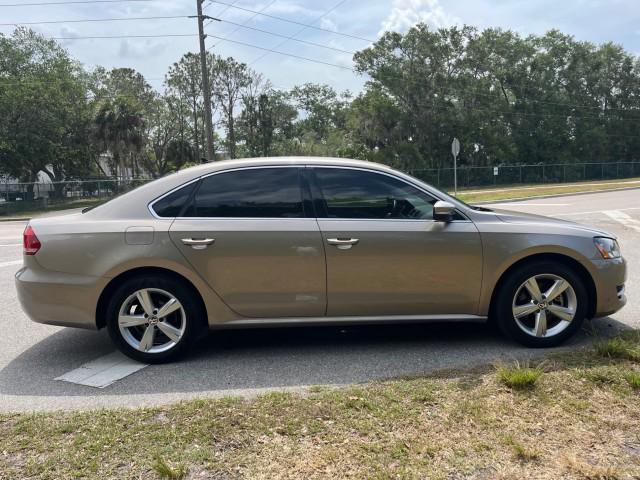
x,y
295,22
107,37
74,2
224,9
284,36
91,20
292,37
247,20
281,53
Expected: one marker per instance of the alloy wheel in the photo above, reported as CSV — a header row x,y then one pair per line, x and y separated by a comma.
x,y
544,305
152,320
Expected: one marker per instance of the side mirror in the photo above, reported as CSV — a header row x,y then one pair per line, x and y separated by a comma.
x,y
443,211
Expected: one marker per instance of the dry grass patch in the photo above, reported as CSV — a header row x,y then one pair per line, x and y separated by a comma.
x,y
587,471
522,452
460,425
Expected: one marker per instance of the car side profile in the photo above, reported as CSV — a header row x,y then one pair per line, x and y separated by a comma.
x,y
299,240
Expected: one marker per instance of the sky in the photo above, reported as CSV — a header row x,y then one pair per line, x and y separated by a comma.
x,y
596,21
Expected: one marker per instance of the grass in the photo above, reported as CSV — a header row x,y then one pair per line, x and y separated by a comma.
x,y
498,193
633,379
518,377
166,471
619,347
522,452
581,421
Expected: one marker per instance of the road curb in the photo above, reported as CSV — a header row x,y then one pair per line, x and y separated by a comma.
x,y
17,219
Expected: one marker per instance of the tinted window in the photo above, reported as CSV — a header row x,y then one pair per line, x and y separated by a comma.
x,y
264,192
172,204
361,194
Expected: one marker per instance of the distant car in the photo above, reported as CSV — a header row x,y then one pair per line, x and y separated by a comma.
x,y
291,241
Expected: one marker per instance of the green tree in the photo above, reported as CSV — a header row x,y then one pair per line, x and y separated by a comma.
x,y
119,129
230,79
45,119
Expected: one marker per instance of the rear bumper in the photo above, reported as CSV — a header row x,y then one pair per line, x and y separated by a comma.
x,y
610,279
56,298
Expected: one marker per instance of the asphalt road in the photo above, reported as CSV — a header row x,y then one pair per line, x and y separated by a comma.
x,y
248,362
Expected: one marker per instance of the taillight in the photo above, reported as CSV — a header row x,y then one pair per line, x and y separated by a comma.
x,y
30,241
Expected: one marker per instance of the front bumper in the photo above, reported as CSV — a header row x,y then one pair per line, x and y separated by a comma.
x,y
56,298
610,279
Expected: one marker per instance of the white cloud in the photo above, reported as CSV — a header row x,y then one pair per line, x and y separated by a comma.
x,y
407,13
328,24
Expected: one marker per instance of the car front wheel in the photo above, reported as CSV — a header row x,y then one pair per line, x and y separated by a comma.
x,y
541,304
153,320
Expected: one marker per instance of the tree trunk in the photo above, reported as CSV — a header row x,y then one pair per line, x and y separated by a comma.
x,y
196,142
231,134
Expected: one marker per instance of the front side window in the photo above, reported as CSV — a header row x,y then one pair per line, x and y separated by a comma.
x,y
251,193
362,194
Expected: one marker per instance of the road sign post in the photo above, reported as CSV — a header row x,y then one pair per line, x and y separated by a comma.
x,y
455,150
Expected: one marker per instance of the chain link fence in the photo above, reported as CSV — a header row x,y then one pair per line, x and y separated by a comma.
x,y
25,198
513,175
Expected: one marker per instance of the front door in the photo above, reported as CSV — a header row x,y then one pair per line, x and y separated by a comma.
x,y
385,253
249,233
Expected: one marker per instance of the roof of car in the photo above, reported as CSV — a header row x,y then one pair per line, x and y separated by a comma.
x,y
266,161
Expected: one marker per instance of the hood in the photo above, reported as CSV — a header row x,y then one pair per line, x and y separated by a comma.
x,y
509,216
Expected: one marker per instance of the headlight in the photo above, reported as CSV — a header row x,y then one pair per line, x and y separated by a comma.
x,y
607,247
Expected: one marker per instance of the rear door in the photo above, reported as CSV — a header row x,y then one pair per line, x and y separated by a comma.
x,y
251,234
385,253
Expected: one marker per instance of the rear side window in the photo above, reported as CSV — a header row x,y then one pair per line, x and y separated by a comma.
x,y
250,193
361,194
173,204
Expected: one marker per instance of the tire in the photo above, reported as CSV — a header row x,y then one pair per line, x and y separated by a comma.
x,y
521,317
171,335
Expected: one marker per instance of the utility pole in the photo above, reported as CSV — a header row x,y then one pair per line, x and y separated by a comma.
x,y
205,84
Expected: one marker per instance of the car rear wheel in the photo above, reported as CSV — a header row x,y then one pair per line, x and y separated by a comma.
x,y
541,304
153,320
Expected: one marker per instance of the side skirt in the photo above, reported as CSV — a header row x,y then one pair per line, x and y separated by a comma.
x,y
349,320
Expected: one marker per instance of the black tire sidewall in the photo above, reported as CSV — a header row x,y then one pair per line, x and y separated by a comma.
x,y
504,313
176,288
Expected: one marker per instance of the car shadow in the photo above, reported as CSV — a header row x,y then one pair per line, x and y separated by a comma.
x,y
280,357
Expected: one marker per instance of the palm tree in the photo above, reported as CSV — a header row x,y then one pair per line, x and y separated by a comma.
x,y
119,128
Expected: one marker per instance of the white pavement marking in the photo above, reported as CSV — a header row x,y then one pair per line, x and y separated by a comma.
x,y
10,264
11,245
103,371
623,218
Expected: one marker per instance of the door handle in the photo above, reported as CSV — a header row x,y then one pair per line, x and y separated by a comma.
x,y
343,243
198,243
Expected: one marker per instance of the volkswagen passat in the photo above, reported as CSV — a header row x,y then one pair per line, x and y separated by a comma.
x,y
290,241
